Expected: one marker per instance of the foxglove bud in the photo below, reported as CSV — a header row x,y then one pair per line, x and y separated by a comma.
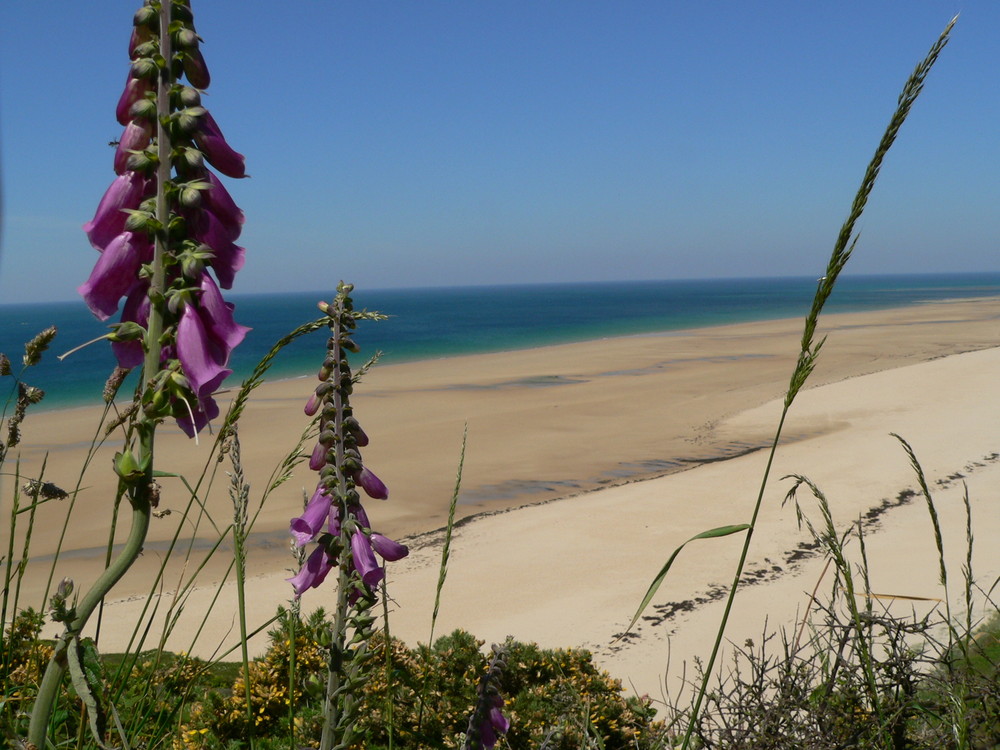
x,y
195,68
185,39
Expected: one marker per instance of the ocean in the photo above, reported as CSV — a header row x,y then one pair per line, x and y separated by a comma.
x,y
444,322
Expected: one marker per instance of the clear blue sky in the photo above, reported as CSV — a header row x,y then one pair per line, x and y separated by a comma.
x,y
470,142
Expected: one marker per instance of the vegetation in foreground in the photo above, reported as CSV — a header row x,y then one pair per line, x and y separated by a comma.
x,y
776,694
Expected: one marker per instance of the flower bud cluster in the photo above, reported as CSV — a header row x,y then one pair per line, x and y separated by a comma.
x,y
334,516
60,608
165,196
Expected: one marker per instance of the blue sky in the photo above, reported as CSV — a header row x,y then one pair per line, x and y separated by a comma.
x,y
450,143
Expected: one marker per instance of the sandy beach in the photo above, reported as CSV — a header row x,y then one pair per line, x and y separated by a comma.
x,y
586,465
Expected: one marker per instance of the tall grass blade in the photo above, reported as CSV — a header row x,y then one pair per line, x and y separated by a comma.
x,y
443,569
449,528
842,251
655,585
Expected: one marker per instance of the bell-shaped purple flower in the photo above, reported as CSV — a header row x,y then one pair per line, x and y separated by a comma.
x,y
206,335
126,192
217,315
364,559
388,549
115,273
317,460
495,723
219,153
204,362
359,513
218,200
208,228
313,572
371,484
135,89
204,411
195,69
140,35
304,528
136,137
229,259
312,406
136,310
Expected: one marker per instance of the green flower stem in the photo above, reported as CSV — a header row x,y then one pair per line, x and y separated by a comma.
x,y
337,641
48,691
141,492
154,329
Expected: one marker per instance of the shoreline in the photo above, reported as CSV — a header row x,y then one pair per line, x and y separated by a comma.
x,y
592,423
444,358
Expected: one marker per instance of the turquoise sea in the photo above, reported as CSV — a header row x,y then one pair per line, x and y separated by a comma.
x,y
443,322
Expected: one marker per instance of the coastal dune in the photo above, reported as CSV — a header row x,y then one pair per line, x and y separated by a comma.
x,y
586,465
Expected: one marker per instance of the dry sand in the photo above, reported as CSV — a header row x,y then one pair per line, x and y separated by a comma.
x,y
585,422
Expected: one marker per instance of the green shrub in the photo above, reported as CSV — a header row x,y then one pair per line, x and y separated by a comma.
x,y
556,697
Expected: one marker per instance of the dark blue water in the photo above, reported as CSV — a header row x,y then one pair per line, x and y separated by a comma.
x,y
433,323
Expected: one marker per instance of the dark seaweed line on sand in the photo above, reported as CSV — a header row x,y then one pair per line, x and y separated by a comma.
x,y
792,560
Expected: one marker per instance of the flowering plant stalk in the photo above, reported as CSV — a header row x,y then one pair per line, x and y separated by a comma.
x,y
487,720
163,222
335,520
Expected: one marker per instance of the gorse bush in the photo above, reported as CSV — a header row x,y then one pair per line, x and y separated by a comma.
x,y
556,697
859,675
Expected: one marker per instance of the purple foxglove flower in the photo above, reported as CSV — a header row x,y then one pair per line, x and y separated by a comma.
x,y
206,227
312,573
126,192
205,410
195,69
115,273
387,549
317,513
495,722
333,526
371,484
203,362
221,203
364,559
140,35
312,405
218,152
360,437
136,310
217,315
229,259
135,89
361,516
318,458
487,736
136,137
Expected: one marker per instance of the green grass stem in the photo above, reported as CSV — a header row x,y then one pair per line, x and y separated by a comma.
x,y
809,350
